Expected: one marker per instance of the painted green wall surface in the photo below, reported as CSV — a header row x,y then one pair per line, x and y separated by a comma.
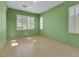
x,y
11,24
2,24
56,24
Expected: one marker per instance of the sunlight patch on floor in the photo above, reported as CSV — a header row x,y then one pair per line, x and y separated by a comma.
x,y
14,43
28,37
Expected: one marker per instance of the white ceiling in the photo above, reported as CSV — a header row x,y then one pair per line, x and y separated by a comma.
x,y
33,7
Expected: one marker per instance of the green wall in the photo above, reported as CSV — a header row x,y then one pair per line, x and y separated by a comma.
x,y
56,24
11,24
2,24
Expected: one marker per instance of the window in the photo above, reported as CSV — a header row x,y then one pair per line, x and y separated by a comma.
x,y
25,22
74,19
41,23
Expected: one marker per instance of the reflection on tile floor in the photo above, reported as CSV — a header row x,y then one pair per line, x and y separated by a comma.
x,y
37,46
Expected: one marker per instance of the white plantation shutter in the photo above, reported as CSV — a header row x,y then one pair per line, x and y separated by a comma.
x,y
41,23
32,23
28,22
77,19
19,24
25,22
74,19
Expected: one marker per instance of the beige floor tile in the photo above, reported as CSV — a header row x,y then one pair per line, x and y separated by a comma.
x,y
38,46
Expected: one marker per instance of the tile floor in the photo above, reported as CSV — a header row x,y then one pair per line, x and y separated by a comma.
x,y
38,46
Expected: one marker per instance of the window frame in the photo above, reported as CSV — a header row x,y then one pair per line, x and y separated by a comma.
x,y
28,28
42,23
